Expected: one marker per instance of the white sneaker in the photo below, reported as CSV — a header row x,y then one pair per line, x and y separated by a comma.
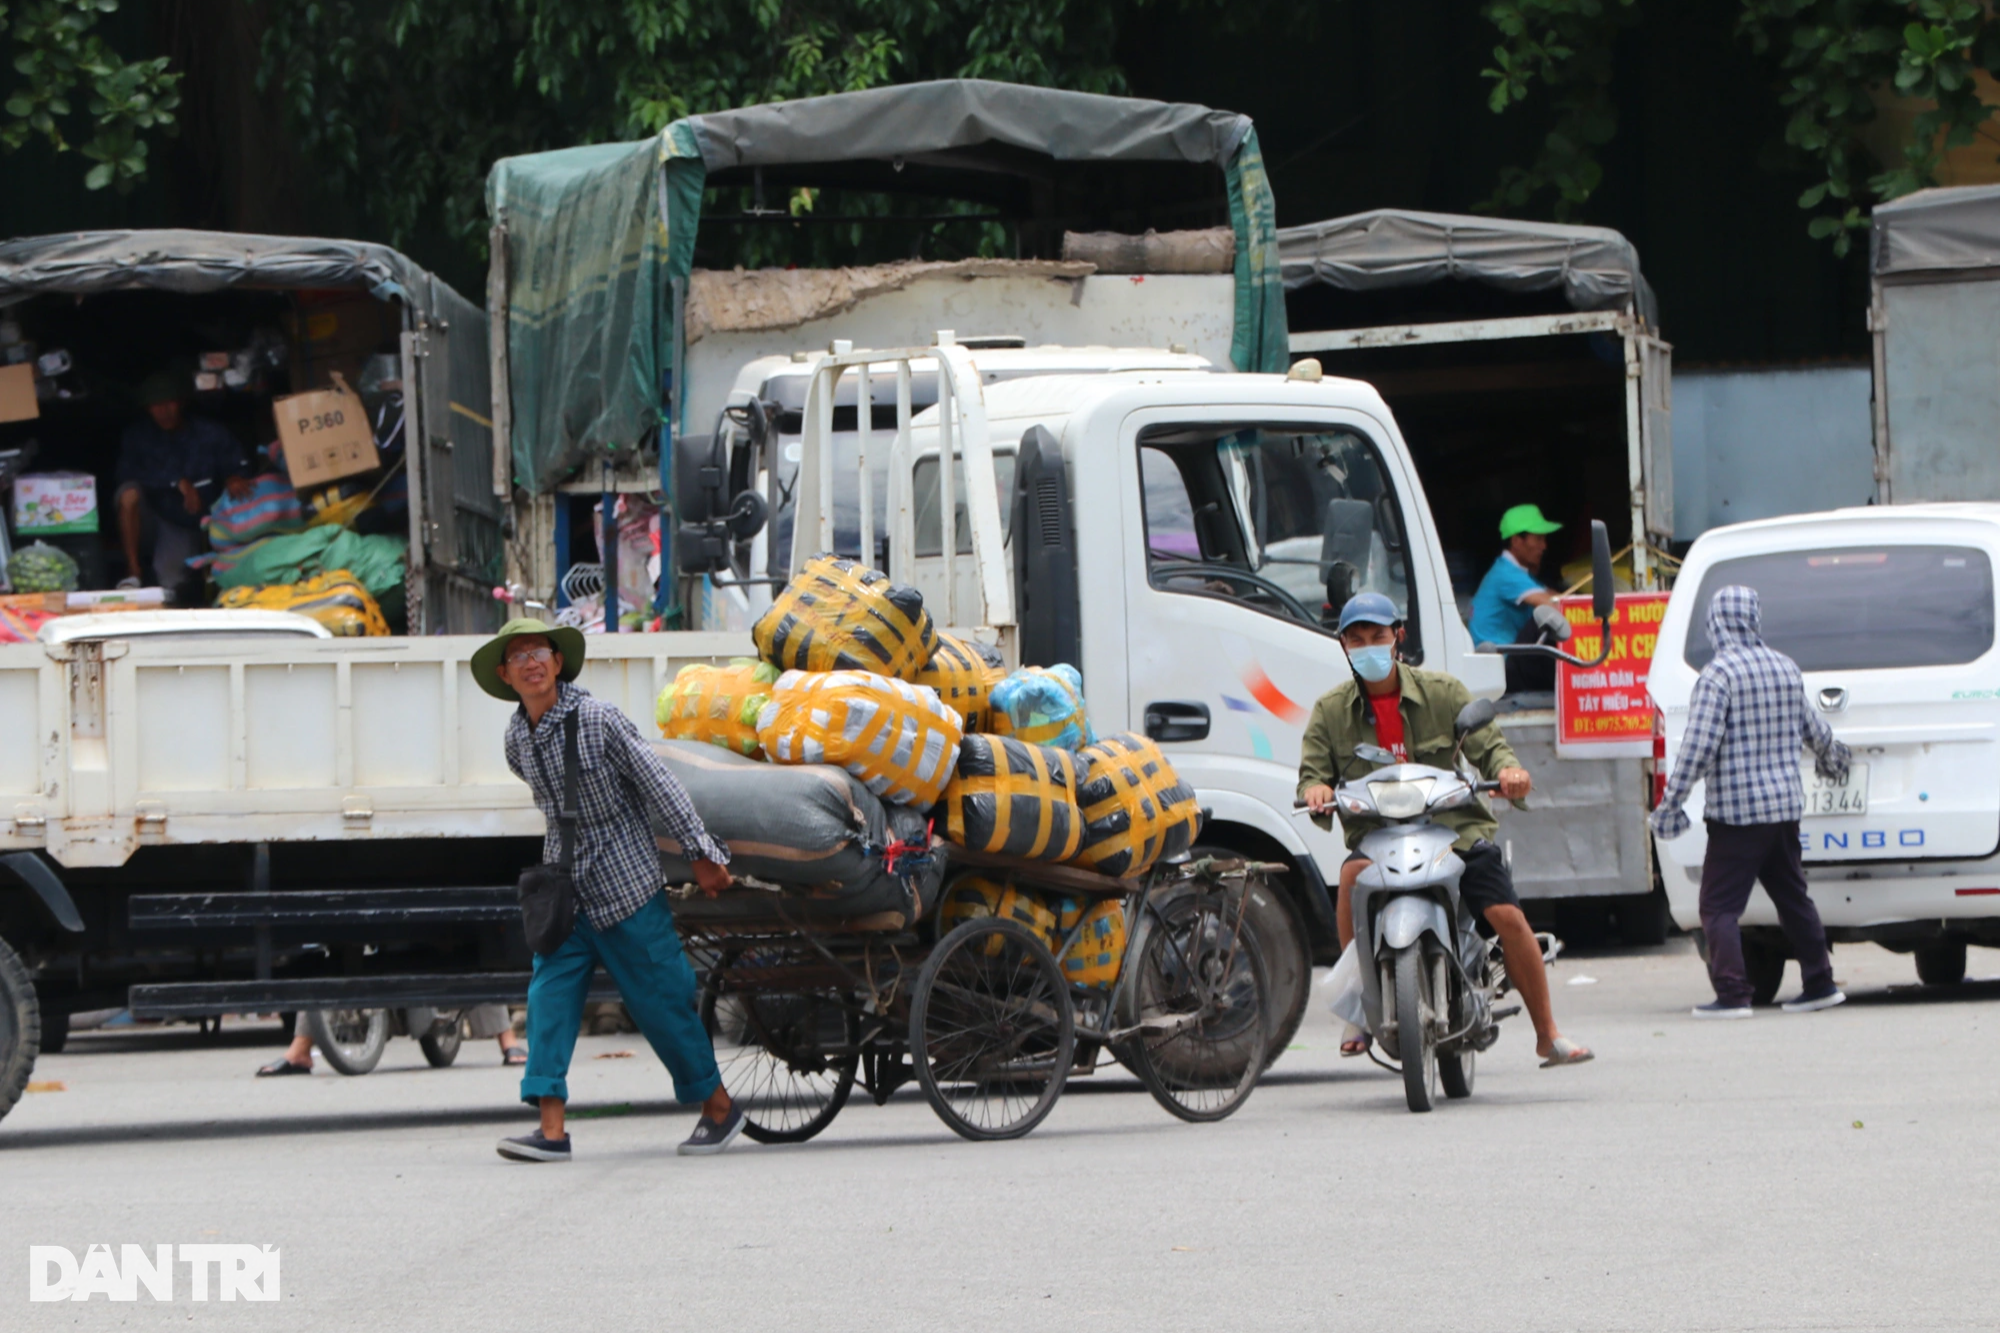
x,y
1807,1004
1717,1009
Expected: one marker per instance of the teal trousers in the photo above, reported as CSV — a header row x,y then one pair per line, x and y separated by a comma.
x,y
643,955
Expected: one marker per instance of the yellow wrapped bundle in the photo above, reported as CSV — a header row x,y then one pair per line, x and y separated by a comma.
x,y
718,705
894,736
975,897
964,673
837,615
335,599
1013,799
1094,927
1135,807
1097,950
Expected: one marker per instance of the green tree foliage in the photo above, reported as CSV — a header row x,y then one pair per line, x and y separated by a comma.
x,y
404,104
72,90
1833,59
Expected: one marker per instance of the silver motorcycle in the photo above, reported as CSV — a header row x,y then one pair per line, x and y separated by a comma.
x,y
1431,991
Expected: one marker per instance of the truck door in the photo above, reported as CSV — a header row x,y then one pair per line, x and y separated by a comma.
x,y
1234,533
456,553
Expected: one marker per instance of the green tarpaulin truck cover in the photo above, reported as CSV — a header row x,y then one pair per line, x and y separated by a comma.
x,y
597,238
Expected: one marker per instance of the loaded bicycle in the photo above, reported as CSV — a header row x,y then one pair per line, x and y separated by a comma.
x,y
805,1004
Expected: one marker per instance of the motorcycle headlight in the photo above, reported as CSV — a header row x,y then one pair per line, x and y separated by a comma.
x,y
1401,800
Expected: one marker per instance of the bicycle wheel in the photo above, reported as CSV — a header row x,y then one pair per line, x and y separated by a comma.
x,y
352,1040
788,1059
992,1033
1198,1001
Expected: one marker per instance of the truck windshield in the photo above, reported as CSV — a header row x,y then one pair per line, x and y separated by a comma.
x,y
1310,513
1862,608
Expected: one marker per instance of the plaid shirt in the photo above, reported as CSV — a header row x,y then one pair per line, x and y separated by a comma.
x,y
1747,724
617,869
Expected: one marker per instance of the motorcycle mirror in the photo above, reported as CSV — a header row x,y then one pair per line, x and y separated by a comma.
x,y
1474,716
1603,592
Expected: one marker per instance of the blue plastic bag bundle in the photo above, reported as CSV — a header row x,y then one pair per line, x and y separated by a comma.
x,y
1042,706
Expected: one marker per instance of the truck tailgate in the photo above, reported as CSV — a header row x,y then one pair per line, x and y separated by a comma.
x,y
198,740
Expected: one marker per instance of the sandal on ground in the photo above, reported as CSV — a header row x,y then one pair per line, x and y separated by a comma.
x,y
281,1066
514,1055
1354,1046
1568,1052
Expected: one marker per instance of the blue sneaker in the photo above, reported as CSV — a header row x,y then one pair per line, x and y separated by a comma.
x,y
1721,1009
710,1137
534,1148
1807,1004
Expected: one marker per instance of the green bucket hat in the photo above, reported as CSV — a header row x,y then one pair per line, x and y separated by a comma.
x,y
487,658
1525,518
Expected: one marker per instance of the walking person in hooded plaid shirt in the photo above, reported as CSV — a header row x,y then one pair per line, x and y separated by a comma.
x,y
1747,724
622,923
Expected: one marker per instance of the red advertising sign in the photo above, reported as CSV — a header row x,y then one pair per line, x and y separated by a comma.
x,y
1604,711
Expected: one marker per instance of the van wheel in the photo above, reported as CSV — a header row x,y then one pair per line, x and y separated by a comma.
x,y
1765,966
1942,963
20,1027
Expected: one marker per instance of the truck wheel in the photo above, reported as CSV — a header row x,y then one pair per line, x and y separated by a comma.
x,y
1765,966
1941,964
20,1027
1280,934
352,1040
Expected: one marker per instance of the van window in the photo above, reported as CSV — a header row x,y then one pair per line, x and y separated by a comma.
x,y
1862,608
1287,520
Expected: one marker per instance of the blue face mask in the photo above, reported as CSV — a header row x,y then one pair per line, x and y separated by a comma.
x,y
1373,663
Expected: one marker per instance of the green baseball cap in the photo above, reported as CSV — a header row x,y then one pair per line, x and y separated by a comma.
x,y
1525,518
487,657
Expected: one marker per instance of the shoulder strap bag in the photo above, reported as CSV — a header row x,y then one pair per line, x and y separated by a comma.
x,y
548,892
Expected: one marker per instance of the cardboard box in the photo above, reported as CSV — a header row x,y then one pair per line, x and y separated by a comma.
x,y
17,393
47,503
326,436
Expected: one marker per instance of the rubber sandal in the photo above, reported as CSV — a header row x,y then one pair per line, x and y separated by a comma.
x,y
514,1055
1569,1053
1360,1045
280,1067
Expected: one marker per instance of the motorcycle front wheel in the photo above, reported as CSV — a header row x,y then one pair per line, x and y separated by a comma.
x,y
1455,1072
1416,1033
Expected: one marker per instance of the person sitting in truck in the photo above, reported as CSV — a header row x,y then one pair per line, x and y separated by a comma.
x,y
1512,606
1409,712
171,466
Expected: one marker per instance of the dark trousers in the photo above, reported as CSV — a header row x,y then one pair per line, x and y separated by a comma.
x,y
1739,856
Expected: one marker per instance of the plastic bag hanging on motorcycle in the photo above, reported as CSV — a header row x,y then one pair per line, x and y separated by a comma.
x,y
839,615
896,737
1136,809
1013,799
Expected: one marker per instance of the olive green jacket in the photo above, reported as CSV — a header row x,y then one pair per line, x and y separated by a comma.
x,y
1342,720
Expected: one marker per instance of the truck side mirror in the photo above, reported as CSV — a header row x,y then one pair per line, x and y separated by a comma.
x,y
1474,716
1603,592
701,477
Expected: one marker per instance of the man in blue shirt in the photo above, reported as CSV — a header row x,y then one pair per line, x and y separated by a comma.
x,y
1508,595
171,466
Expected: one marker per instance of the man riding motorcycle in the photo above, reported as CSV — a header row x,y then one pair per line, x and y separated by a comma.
x,y
1408,712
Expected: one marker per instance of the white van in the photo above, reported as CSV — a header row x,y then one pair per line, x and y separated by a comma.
x,y
1889,613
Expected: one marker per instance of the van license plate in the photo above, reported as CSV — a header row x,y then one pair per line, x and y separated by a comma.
x,y
1825,799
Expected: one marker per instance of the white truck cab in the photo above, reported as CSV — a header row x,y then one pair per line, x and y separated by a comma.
x,y
1890,614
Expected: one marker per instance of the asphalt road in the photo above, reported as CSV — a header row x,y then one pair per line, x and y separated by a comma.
x,y
1829,1171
